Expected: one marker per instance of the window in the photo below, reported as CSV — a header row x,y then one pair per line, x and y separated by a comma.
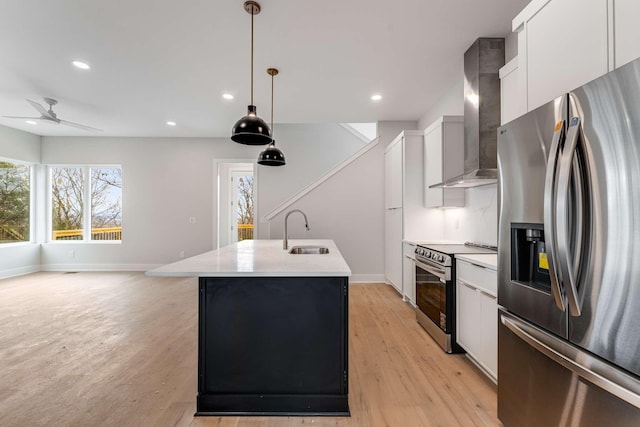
x,y
86,198
15,201
242,205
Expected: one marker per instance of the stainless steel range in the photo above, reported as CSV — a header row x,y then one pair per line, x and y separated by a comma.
x,y
435,289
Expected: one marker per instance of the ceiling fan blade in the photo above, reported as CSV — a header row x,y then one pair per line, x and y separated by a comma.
x,y
79,126
20,117
40,108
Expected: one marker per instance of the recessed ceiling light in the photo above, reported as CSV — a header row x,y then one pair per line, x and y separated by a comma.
x,y
31,122
171,123
376,97
81,65
227,96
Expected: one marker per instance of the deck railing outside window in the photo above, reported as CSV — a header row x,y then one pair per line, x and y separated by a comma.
x,y
245,232
112,233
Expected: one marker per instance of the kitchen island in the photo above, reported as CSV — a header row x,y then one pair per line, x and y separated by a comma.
x,y
273,328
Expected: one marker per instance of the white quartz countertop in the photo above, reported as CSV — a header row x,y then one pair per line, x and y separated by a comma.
x,y
432,242
484,260
260,258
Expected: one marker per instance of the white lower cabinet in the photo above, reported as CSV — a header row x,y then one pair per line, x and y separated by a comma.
x,y
409,273
393,248
477,314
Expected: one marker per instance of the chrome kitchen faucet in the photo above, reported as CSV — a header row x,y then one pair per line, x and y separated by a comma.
x,y
285,243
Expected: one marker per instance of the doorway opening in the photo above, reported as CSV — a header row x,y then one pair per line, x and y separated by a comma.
x,y
237,195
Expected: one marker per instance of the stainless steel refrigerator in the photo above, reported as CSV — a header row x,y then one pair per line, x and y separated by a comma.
x,y
569,258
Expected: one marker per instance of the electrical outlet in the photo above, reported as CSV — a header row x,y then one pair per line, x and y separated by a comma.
x,y
192,220
181,254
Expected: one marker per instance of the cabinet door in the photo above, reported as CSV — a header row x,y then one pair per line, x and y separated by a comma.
x,y
512,103
393,247
567,46
393,176
489,321
468,315
408,279
627,31
433,167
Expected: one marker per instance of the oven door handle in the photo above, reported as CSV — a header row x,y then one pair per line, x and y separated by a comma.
x,y
439,273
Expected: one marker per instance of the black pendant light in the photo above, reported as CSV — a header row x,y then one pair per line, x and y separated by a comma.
x,y
272,155
251,129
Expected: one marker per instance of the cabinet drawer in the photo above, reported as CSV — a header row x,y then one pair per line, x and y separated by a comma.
x,y
480,277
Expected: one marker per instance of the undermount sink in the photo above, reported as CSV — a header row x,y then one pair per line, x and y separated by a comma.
x,y
305,250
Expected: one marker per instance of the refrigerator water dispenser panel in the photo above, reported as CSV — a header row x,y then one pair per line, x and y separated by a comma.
x,y
529,262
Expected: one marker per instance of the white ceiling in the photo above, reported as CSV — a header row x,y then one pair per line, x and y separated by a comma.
x,y
159,60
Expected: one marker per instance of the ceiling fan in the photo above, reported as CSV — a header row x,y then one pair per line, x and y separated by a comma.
x,y
50,116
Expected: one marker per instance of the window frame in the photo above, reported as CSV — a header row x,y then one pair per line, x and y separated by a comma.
x,y
32,200
86,201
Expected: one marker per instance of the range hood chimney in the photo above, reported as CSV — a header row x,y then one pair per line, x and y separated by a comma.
x,y
482,63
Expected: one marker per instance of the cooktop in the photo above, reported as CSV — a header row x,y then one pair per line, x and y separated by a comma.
x,y
453,249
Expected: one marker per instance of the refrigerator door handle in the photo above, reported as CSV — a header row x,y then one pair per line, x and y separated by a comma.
x,y
550,212
577,361
569,166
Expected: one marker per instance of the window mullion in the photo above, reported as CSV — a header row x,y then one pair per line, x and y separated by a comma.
x,y
86,211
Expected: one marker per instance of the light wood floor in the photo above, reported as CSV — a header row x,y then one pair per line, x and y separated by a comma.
x,y
89,349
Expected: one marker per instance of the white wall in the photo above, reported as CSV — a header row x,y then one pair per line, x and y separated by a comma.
x,y
451,103
310,152
19,258
168,180
349,209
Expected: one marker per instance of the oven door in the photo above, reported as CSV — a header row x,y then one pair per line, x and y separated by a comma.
x,y
431,293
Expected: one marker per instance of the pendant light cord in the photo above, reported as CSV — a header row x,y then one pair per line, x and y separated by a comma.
x,y
272,105
252,59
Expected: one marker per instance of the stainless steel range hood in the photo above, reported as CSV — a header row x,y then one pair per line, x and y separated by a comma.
x,y
482,63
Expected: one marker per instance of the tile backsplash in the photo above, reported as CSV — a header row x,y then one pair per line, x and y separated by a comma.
x,y
477,221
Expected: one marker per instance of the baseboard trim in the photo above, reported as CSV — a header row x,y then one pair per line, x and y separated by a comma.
x,y
366,278
13,272
355,278
99,267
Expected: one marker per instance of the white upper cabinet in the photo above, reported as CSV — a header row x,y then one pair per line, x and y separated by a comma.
x,y
443,159
627,31
565,43
512,99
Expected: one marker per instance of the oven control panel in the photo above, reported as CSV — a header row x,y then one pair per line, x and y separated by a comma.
x,y
433,256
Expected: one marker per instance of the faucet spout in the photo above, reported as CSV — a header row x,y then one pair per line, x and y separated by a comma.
x,y
285,240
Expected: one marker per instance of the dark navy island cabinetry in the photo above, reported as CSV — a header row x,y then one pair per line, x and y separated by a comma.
x,y
272,329
273,345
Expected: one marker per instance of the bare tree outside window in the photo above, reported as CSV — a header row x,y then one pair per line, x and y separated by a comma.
x,y
68,203
14,202
67,189
106,198
245,207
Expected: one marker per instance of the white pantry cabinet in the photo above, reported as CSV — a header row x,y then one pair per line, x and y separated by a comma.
x,y
477,314
393,248
393,159
403,167
443,159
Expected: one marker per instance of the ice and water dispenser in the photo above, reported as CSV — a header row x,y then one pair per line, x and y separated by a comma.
x,y
529,259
